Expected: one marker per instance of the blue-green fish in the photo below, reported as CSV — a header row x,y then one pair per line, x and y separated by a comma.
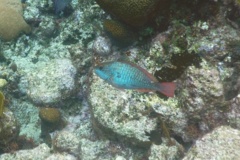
x,y
126,75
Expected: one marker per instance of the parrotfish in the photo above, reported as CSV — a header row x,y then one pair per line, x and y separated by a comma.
x,y
126,75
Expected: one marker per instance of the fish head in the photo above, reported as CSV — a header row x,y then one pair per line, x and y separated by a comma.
x,y
103,71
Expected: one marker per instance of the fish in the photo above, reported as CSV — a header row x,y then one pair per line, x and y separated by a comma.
x,y
127,75
60,5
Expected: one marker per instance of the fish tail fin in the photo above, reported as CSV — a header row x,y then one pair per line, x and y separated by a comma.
x,y
167,88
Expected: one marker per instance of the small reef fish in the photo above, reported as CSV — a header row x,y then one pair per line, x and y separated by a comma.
x,y
126,75
60,5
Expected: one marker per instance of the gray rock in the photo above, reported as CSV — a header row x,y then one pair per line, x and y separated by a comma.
x,y
39,153
66,141
92,150
27,115
61,156
233,115
221,143
166,151
126,114
201,99
49,82
9,128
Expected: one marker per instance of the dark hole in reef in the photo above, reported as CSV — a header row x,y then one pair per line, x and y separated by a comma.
x,y
231,84
181,62
70,40
66,12
2,57
190,11
186,145
155,136
34,22
234,48
233,13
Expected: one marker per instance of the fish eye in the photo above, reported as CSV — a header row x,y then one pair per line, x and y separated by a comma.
x,y
101,68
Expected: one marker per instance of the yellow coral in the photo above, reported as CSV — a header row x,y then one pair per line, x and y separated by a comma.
x,y
2,98
3,83
14,4
50,115
11,22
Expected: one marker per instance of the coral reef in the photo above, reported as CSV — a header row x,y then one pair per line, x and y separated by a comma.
x,y
11,12
196,45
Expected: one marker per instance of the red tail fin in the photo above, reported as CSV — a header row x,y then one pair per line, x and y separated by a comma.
x,y
167,88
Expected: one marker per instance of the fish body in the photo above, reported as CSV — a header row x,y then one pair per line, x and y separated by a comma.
x,y
127,75
60,5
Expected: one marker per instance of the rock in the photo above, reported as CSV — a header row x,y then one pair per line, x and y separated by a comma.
x,y
66,141
233,115
126,114
202,99
221,143
27,115
49,82
102,46
61,156
11,12
9,128
92,150
173,116
166,151
40,153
